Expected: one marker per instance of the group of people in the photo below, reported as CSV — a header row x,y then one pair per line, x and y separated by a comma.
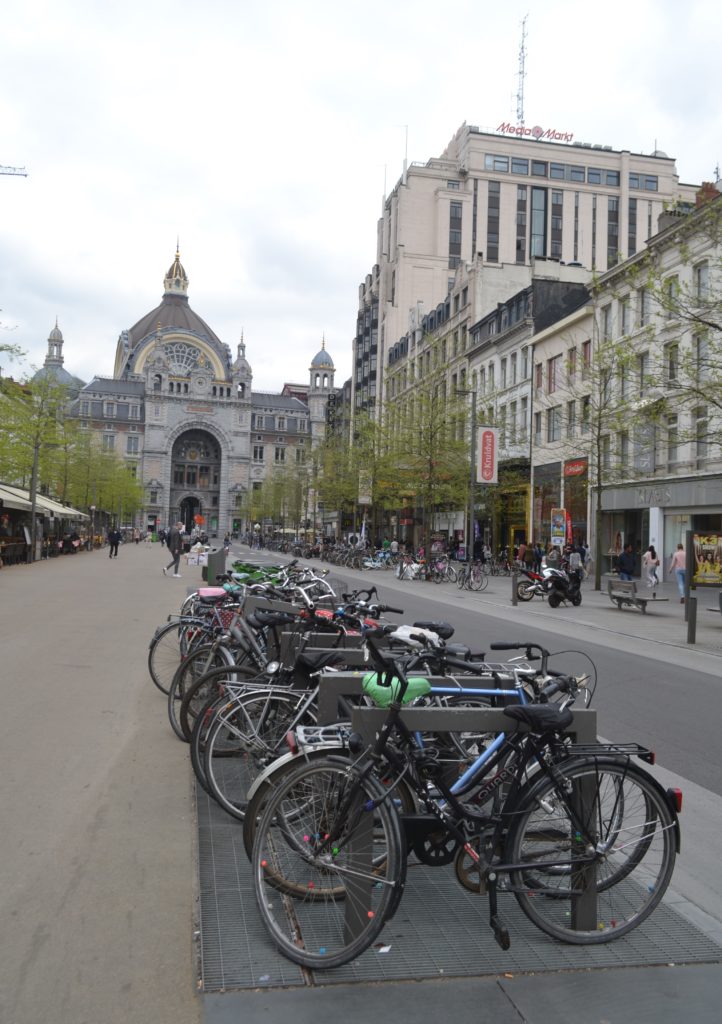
x,y
626,564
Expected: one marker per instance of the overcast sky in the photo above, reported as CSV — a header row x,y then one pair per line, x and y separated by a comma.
x,y
261,135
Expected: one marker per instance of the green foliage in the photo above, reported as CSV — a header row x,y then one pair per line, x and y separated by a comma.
x,y
70,463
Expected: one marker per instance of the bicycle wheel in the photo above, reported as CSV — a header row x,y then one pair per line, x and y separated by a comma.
x,y
477,580
164,655
327,870
461,578
218,681
246,736
451,574
403,797
628,825
189,673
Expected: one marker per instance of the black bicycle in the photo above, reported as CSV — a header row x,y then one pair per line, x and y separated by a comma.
x,y
583,837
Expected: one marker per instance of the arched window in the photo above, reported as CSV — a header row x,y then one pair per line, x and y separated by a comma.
x,y
318,379
325,380
157,382
241,390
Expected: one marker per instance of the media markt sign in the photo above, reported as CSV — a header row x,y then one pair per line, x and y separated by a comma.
x,y
536,132
487,448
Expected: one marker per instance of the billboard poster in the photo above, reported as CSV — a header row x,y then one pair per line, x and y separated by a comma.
x,y
558,532
707,560
487,448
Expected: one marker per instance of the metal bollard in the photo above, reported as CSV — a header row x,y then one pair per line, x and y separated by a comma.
x,y
514,581
691,620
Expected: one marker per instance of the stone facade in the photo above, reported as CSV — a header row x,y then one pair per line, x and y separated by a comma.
x,y
182,411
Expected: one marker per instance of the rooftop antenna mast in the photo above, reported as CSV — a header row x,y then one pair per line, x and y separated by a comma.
x,y
521,75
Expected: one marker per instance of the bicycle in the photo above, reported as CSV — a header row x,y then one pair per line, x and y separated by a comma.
x,y
586,844
472,577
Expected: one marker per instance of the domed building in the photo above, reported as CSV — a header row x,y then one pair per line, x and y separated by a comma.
x,y
53,365
182,410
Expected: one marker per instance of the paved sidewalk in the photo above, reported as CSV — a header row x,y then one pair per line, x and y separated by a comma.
x,y
98,838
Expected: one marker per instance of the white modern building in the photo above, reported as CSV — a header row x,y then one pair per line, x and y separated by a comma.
x,y
501,197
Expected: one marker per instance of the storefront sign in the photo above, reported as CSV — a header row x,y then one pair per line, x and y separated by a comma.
x,y
653,497
487,448
577,467
536,132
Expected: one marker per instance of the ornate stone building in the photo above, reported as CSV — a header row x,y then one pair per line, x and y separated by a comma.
x,y
181,409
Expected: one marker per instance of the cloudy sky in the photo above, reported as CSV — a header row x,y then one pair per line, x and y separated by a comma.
x,y
262,134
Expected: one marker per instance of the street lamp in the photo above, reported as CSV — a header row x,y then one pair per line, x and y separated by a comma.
x,y
472,472
92,527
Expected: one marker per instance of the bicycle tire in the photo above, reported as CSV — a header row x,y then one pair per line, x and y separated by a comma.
x,y
461,579
165,651
189,673
635,847
321,901
477,580
215,682
246,736
403,799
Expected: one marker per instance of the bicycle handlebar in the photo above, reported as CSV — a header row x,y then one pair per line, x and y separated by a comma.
x,y
562,684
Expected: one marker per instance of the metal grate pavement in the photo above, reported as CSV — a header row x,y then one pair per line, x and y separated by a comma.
x,y
440,930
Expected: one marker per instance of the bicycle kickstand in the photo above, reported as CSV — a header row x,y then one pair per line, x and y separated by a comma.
x,y
501,933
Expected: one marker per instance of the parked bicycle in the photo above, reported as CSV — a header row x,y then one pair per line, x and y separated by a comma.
x,y
586,843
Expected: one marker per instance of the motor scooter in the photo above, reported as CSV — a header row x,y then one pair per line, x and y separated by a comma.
x,y
565,585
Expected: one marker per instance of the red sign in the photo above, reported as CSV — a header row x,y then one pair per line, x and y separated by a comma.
x,y
575,468
486,466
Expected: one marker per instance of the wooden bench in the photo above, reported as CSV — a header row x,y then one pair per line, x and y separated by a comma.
x,y
624,593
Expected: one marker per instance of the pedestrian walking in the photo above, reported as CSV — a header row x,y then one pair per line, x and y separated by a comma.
x,y
678,566
113,541
625,563
227,543
650,564
175,545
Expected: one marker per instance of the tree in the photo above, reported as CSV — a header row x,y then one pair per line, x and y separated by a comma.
x,y
427,443
32,414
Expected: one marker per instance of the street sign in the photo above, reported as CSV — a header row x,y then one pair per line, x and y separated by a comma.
x,y
487,455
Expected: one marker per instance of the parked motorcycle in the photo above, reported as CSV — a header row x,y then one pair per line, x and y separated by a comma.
x,y
533,584
556,585
565,585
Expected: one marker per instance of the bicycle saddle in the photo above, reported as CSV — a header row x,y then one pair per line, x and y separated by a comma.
x,y
540,718
210,595
443,629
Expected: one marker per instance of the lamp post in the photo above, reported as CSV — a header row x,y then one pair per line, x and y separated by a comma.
x,y
472,472
92,527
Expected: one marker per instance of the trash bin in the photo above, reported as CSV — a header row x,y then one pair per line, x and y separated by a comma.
x,y
216,565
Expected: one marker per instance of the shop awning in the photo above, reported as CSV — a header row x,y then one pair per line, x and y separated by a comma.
x,y
11,499
19,498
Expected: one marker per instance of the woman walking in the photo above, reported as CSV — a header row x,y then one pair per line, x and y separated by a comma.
x,y
650,564
678,565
